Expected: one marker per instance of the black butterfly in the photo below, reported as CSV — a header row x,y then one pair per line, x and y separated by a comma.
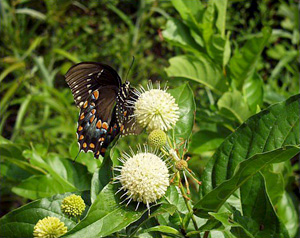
x,y
103,101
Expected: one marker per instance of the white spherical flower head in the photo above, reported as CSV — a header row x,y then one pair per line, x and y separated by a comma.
x,y
144,177
156,109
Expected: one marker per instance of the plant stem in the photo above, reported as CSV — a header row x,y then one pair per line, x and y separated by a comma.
x,y
189,207
206,234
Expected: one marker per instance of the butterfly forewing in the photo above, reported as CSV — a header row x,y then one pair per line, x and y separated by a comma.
x,y
84,78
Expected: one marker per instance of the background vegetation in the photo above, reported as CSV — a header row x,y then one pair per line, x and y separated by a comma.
x,y
239,57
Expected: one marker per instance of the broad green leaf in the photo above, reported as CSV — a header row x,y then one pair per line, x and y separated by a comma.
x,y
164,229
287,213
221,18
216,48
271,129
274,183
253,91
233,106
106,216
212,201
184,98
243,63
207,24
173,196
178,34
190,11
200,69
101,178
40,186
21,221
257,206
203,141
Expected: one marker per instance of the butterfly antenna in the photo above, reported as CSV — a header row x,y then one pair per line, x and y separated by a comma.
x,y
132,62
76,157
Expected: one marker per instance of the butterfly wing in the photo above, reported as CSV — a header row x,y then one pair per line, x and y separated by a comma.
x,y
125,111
95,87
96,124
86,77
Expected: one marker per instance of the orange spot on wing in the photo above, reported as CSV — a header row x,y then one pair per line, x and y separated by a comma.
x,y
93,104
103,150
101,139
92,145
81,137
84,145
98,152
81,116
85,104
98,124
105,125
92,118
96,94
122,128
93,111
80,128
125,113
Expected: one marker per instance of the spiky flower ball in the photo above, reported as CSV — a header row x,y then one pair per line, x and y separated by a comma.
x,y
144,177
156,109
49,227
73,205
157,138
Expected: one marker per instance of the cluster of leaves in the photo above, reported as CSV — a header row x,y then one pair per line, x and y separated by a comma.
x,y
235,73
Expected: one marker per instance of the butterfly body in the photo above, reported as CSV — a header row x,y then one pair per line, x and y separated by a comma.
x,y
102,99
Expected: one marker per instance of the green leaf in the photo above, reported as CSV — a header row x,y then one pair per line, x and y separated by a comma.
x,y
212,201
173,196
21,221
221,18
233,106
190,11
243,63
200,69
257,206
271,129
164,229
203,141
178,34
101,178
253,91
40,186
184,97
106,216
287,213
31,12
274,183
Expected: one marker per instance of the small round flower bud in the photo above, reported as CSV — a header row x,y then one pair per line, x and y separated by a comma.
x,y
49,227
157,138
181,164
73,205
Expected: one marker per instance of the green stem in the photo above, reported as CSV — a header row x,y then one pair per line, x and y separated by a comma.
x,y
188,205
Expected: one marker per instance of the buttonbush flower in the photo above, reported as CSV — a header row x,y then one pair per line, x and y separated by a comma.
x,y
144,177
73,205
49,227
155,109
157,138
